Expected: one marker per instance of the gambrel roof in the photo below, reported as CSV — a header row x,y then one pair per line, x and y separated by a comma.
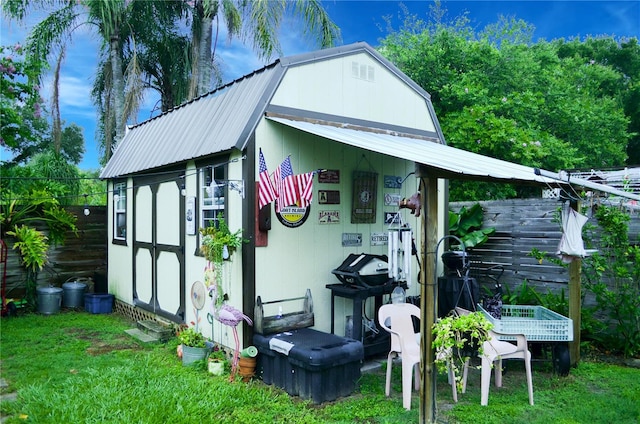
x,y
221,120
225,119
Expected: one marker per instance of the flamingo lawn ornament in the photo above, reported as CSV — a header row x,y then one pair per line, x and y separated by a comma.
x,y
228,315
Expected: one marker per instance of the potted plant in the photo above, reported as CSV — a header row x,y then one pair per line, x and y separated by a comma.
x,y
193,346
457,337
217,361
218,244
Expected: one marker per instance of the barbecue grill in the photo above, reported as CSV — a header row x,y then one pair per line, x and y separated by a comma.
x,y
363,269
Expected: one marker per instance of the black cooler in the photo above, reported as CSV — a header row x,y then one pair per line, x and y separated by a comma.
x,y
309,363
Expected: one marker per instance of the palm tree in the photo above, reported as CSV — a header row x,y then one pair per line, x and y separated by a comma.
x,y
262,18
142,46
113,22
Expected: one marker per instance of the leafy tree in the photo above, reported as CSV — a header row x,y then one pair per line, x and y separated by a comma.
x,y
497,94
21,123
110,20
624,57
72,144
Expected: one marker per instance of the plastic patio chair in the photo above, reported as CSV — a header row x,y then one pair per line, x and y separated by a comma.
x,y
405,343
397,320
495,350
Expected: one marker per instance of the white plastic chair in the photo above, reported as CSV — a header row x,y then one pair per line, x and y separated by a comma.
x,y
495,350
404,344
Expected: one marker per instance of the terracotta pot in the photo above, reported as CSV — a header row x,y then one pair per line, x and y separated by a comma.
x,y
247,368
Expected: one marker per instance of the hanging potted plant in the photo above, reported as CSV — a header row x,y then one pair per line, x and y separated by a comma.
x,y
218,245
458,337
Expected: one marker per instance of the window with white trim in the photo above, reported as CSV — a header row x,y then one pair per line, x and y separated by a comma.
x,y
212,195
120,211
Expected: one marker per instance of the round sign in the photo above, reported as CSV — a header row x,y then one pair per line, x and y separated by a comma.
x,y
293,216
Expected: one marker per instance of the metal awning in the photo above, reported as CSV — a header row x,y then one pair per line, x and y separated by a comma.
x,y
446,161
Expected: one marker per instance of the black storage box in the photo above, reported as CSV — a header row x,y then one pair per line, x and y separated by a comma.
x,y
363,269
309,363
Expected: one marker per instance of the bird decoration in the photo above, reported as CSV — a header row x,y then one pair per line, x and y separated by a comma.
x,y
230,316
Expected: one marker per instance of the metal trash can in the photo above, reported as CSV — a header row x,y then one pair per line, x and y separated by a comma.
x,y
73,294
49,300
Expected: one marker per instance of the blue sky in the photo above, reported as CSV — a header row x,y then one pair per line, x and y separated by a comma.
x,y
358,21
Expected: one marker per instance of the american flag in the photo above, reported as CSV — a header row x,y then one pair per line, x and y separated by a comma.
x,y
305,185
266,193
286,185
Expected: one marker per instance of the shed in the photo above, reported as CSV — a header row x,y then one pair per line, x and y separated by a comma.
x,y
346,111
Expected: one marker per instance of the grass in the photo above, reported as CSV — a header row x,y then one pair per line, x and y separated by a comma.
x,y
79,367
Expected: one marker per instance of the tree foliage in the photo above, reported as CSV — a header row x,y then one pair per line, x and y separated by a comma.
x,y
497,94
21,121
167,46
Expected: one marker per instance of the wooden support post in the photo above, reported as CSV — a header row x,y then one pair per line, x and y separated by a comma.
x,y
575,301
429,231
575,269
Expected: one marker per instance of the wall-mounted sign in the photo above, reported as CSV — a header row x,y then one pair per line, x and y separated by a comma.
x,y
392,181
392,218
293,216
392,199
329,197
379,239
329,176
352,239
191,215
329,217
365,195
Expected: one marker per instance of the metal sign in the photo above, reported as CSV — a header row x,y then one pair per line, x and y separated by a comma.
x,y
329,176
352,239
329,217
379,239
329,197
293,216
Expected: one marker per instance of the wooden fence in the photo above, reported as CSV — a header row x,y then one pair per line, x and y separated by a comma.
x,y
81,256
522,225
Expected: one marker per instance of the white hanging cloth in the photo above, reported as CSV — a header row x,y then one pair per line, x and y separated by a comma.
x,y
571,244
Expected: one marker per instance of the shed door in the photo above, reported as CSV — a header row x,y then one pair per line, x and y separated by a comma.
x,y
158,246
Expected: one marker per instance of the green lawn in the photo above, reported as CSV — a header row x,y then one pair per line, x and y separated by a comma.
x,y
75,367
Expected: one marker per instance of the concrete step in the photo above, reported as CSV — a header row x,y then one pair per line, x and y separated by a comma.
x,y
141,335
155,329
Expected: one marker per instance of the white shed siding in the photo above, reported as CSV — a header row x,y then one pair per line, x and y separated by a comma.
x,y
303,257
330,87
119,264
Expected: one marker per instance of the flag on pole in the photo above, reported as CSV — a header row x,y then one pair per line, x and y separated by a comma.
x,y
305,185
286,185
266,192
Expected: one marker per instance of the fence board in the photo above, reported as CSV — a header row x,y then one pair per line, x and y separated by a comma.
x,y
521,225
81,256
